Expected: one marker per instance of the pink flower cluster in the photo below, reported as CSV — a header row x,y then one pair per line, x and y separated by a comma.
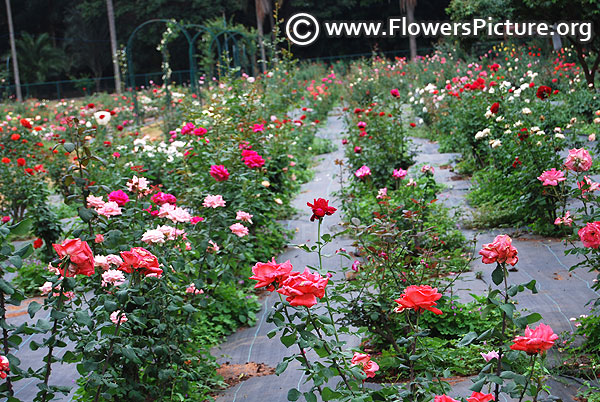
x,y
252,159
368,365
362,172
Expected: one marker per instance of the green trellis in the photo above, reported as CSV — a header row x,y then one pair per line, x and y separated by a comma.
x,y
220,42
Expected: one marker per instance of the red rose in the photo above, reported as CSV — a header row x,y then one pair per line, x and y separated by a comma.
x,y
443,398
38,243
25,123
590,235
501,251
543,92
219,172
320,208
80,256
15,137
266,273
494,108
302,289
535,340
479,397
418,298
140,259
413,125
21,162
5,160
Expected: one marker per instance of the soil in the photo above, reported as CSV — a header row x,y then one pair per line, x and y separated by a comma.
x,y
235,373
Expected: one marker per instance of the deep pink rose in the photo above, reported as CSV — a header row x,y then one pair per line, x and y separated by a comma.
x,y
443,398
119,196
501,250
302,289
552,177
161,198
80,254
252,159
480,397
219,172
590,234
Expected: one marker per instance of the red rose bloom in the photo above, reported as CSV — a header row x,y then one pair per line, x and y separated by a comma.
x,y
5,160
495,107
25,123
15,137
21,162
480,397
590,235
267,273
38,243
80,256
219,172
302,289
320,208
419,298
140,259
535,340
443,398
543,92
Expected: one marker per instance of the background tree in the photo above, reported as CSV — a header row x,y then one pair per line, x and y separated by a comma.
x,y
409,6
38,59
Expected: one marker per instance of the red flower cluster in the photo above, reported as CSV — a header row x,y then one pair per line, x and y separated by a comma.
x,y
320,208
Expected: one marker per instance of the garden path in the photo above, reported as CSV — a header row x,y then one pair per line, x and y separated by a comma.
x,y
252,344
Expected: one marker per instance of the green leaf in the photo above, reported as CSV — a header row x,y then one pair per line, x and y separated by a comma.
x,y
281,367
467,339
110,306
288,340
16,261
533,318
478,385
6,287
293,394
33,308
83,318
310,396
69,147
498,275
21,228
86,214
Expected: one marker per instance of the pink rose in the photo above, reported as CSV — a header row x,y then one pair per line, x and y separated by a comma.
x,y
579,160
490,355
94,202
419,298
480,397
119,196
113,277
252,159
443,398
552,177
219,172
161,198
239,230
153,236
118,317
192,290
399,174
501,251
302,289
590,235
109,209
196,219
363,171
80,256
368,365
243,216
4,367
99,238
536,340
213,201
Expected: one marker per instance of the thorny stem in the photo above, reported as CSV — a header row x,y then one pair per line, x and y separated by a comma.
x,y
109,355
329,351
320,245
504,323
5,339
59,304
532,360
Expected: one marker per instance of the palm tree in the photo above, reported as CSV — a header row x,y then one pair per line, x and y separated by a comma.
x,y
39,60
113,44
263,8
13,50
409,6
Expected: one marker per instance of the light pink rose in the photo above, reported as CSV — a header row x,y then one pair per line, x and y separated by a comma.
x,y
114,317
46,288
153,236
579,160
192,289
239,230
110,208
94,202
213,201
114,259
369,366
244,217
113,277
101,261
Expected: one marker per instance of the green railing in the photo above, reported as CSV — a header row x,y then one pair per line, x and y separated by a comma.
x,y
86,86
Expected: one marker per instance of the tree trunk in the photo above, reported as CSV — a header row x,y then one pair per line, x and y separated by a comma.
x,y
13,51
259,27
412,40
113,44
